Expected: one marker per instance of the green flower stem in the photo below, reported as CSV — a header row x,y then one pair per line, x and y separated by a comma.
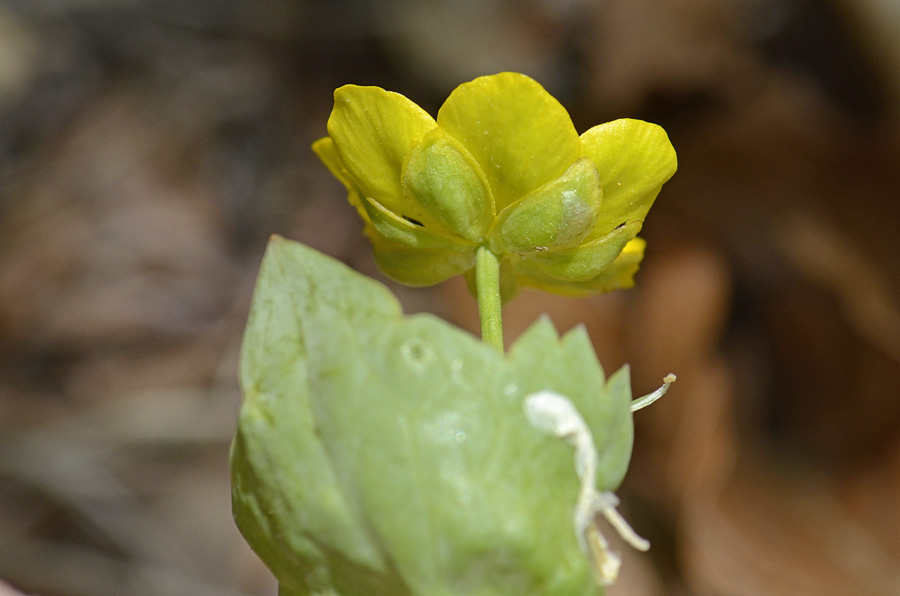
x,y
487,284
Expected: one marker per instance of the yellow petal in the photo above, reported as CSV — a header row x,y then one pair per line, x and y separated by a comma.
x,y
419,266
634,159
517,132
373,132
617,276
324,149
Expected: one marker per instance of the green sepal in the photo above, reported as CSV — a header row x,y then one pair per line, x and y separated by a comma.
x,y
411,232
617,276
442,177
582,263
557,215
419,266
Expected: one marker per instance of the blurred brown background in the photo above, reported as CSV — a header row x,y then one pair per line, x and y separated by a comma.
x,y
149,147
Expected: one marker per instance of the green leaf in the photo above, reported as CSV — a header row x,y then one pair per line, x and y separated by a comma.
x,y
379,454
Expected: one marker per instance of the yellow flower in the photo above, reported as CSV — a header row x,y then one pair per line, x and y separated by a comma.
x,y
501,167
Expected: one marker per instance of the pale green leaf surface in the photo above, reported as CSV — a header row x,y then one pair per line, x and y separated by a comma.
x,y
378,454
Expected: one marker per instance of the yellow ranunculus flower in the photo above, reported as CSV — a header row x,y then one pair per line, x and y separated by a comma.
x,y
501,167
